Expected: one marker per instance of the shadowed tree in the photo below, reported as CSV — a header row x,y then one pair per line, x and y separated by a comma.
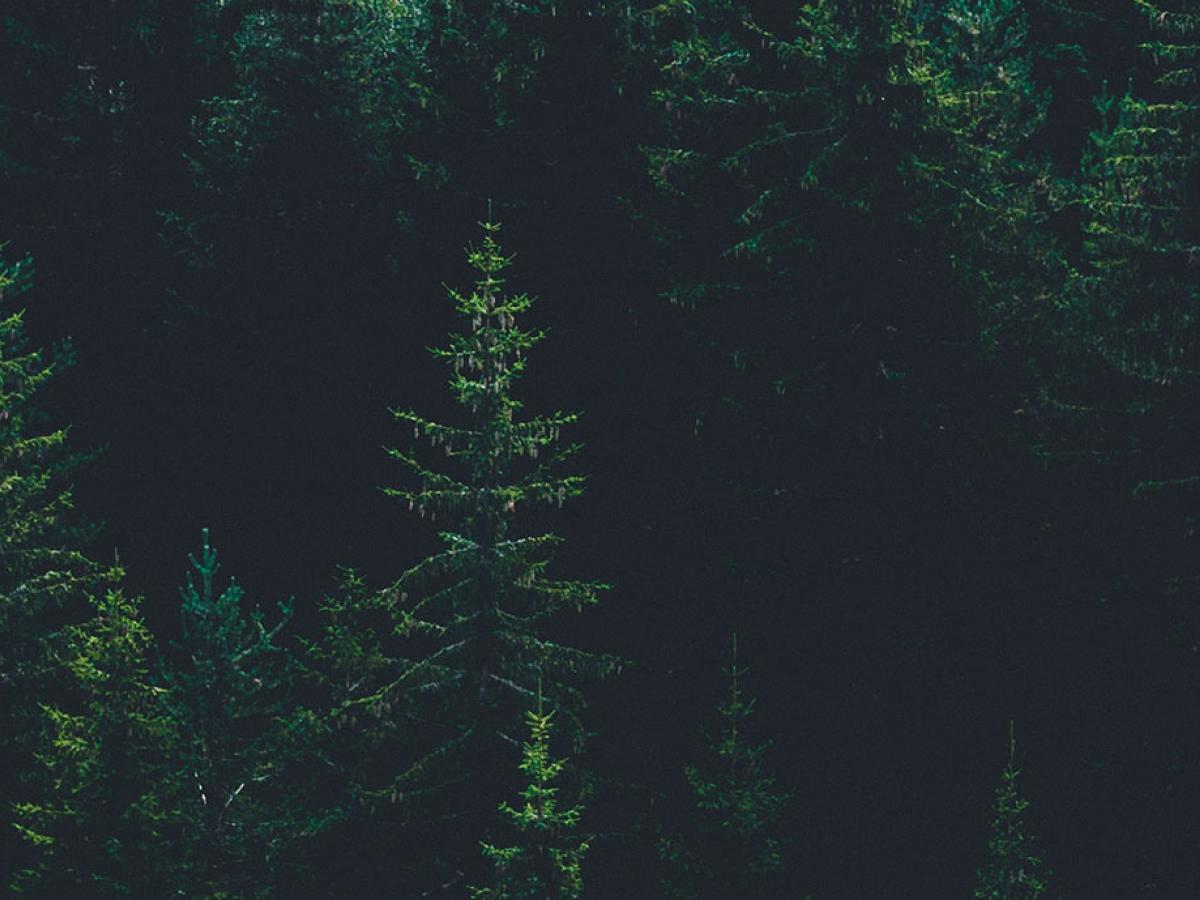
x,y
726,842
1013,871
227,683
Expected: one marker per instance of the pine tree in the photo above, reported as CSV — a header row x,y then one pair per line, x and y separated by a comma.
x,y
776,119
226,685
730,845
103,816
1013,870
1133,317
342,744
990,194
485,600
548,858
45,581
437,670
42,575
1119,396
865,177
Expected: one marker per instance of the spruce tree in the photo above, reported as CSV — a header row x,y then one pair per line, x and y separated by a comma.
x,y
546,863
786,127
485,600
226,685
727,843
819,175
990,193
430,678
1119,391
45,580
103,817
345,747
864,176
1013,871
1131,324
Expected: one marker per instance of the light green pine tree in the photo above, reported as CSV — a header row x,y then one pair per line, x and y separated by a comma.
x,y
45,581
1013,871
483,602
546,863
103,820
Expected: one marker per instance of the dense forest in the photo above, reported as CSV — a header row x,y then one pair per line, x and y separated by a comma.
x,y
600,448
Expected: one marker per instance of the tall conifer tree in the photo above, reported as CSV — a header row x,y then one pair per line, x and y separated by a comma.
x,y
816,174
1121,395
322,93
484,602
226,686
45,581
990,195
1133,319
436,672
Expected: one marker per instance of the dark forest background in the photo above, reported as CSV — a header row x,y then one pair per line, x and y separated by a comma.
x,y
882,322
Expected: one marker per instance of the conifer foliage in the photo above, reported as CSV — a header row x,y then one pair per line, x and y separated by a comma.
x,y
484,600
41,575
1139,284
102,818
1014,871
438,669
990,195
1132,323
39,570
547,863
1128,334
45,581
225,686
730,845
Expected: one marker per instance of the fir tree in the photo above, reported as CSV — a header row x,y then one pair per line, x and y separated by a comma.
x,y
485,600
1119,395
103,818
730,845
441,705
547,860
812,160
1013,870
226,685
776,119
1132,322
990,195
42,574
45,581
818,167
343,743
